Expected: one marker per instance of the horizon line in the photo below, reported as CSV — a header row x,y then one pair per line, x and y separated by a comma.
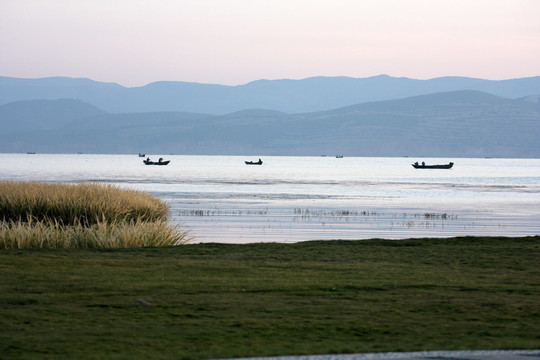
x,y
265,79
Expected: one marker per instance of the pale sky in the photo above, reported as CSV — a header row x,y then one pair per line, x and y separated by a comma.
x,y
232,42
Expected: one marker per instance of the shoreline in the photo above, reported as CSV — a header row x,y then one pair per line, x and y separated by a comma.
x,y
248,222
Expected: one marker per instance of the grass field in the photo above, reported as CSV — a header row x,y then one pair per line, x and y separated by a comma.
x,y
205,301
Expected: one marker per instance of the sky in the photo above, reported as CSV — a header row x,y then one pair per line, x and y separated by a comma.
x,y
233,42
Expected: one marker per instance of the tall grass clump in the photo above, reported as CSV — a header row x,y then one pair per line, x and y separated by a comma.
x,y
85,204
39,215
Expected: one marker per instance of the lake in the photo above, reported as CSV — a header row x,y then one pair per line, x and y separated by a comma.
x,y
289,199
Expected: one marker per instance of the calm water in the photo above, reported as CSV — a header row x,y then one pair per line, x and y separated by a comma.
x,y
287,199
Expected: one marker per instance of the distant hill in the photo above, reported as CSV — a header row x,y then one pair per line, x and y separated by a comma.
x,y
289,96
449,124
34,115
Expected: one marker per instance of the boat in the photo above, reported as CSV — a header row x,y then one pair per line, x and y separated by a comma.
x,y
254,162
339,156
142,155
160,162
424,166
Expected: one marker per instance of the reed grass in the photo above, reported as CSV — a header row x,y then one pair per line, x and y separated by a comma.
x,y
84,216
85,204
51,235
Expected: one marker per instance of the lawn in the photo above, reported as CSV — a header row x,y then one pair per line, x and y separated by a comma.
x,y
205,301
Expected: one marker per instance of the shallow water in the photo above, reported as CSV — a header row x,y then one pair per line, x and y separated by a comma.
x,y
287,199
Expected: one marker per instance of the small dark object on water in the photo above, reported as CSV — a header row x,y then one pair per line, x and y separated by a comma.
x,y
160,162
424,166
254,162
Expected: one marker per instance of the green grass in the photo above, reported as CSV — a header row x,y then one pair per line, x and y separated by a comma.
x,y
206,301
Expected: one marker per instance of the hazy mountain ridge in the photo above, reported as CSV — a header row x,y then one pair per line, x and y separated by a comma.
x,y
289,96
34,115
450,124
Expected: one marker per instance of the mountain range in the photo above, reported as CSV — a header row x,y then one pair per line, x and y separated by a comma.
x,y
378,116
290,96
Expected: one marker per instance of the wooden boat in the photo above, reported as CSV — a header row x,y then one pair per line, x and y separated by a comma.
x,y
424,166
148,162
254,162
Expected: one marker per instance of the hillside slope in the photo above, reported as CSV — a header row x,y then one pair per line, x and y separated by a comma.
x,y
450,124
35,115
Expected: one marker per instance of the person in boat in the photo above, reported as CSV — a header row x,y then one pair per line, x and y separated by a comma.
x,y
160,160
148,159
423,163
260,161
416,163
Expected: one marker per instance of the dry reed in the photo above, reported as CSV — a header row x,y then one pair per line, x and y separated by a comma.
x,y
39,215
86,204
43,235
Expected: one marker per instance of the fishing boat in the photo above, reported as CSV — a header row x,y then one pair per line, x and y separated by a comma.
x,y
416,165
160,162
254,162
